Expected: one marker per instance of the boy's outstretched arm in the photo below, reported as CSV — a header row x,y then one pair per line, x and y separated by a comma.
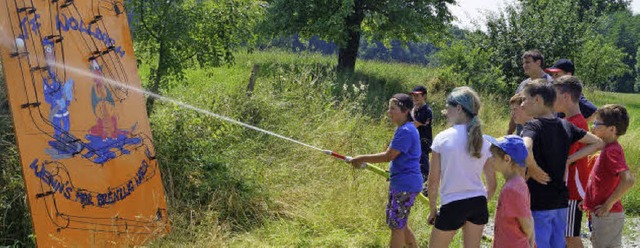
x,y
593,144
626,182
534,171
526,224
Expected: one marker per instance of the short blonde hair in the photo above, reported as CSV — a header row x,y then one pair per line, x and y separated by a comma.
x,y
518,99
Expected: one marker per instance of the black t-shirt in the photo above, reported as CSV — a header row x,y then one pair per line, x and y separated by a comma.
x,y
424,115
551,141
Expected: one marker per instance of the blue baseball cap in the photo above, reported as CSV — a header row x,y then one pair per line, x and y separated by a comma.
x,y
512,145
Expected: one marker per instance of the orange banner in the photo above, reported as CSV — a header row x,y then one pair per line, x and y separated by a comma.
x,y
85,143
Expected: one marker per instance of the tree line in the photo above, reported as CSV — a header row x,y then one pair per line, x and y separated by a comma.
x,y
601,36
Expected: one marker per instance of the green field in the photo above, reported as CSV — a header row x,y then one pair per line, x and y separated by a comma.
x,y
231,186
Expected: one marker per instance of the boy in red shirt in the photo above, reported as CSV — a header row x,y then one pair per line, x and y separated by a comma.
x,y
610,178
514,223
568,92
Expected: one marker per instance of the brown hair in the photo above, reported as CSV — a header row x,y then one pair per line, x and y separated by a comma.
x,y
543,89
499,153
569,84
404,102
534,54
614,115
496,151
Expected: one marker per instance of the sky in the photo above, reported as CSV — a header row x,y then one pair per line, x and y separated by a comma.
x,y
469,12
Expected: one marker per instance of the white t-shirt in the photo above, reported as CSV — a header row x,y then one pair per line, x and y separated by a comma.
x,y
460,173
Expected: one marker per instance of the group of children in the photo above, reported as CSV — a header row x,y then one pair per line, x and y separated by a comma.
x,y
548,179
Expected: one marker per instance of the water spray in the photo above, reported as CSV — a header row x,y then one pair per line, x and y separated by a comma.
x,y
347,159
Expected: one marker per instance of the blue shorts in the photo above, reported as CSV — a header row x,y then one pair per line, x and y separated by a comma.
x,y
550,226
399,207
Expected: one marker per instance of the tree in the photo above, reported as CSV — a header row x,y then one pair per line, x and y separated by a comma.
x,y
599,8
346,21
551,26
173,35
588,9
636,86
600,63
622,29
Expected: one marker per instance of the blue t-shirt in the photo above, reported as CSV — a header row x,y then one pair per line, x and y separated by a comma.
x,y
405,169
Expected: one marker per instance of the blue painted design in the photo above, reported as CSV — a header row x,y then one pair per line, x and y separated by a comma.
x,y
59,96
103,150
66,24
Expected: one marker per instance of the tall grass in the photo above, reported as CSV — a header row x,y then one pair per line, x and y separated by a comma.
x,y
295,196
15,221
228,186
307,199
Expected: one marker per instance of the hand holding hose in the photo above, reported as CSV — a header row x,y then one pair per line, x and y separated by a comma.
x,y
357,162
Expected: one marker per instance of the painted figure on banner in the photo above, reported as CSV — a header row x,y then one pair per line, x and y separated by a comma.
x,y
59,96
105,136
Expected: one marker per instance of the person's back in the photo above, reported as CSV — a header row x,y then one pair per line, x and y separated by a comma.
x,y
460,154
551,141
460,171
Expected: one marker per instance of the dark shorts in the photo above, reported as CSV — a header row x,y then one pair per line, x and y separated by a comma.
x,y
574,219
453,215
399,207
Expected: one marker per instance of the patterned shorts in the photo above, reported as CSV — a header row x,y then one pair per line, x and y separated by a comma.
x,y
399,207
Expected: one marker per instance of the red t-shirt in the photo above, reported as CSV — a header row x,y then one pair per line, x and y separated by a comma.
x,y
605,177
513,203
578,172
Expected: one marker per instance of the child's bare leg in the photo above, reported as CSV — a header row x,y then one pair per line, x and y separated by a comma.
x,y
409,238
472,234
574,242
397,238
440,238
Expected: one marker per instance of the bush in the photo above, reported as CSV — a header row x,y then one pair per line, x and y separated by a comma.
x,y
600,63
471,65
